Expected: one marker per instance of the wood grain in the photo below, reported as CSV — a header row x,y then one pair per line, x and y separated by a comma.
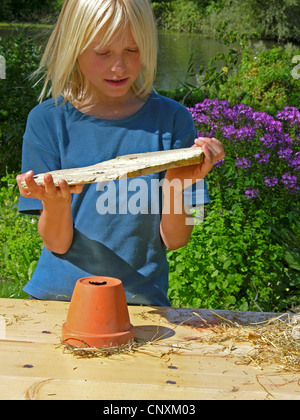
x,y
126,166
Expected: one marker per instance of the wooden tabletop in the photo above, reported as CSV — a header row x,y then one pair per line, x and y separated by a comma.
x,y
173,366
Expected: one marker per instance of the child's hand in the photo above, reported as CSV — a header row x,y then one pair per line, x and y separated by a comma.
x,y
55,225
213,151
49,194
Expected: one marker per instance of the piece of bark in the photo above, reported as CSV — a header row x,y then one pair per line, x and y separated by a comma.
x,y
126,166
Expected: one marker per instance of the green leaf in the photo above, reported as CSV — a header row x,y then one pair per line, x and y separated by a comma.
x,y
226,264
244,307
31,269
292,258
231,300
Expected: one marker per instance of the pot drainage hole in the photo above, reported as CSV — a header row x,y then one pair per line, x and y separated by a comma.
x,y
97,283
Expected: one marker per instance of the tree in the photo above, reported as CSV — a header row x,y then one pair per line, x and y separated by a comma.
x,y
28,10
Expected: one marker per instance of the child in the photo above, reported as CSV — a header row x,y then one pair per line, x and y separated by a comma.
x,y
100,61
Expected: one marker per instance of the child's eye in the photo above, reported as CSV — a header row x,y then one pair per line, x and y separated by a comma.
x,y
133,50
102,53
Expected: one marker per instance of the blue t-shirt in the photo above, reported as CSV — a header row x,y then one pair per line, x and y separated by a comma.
x,y
116,224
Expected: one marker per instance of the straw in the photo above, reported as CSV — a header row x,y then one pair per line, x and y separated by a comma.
x,y
274,341
91,352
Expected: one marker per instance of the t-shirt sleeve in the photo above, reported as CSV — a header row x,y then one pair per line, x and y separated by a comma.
x,y
185,133
38,155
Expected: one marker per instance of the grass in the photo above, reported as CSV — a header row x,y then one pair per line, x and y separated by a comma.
x,y
10,25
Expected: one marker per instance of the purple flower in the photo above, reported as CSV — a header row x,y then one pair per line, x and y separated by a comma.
x,y
271,182
290,115
252,193
274,126
285,139
262,158
229,131
285,153
243,163
230,114
202,118
245,133
295,162
268,141
219,162
266,121
290,181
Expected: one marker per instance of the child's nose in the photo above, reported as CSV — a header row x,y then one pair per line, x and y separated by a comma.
x,y
118,66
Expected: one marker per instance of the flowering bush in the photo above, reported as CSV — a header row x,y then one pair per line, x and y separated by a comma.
x,y
265,150
246,253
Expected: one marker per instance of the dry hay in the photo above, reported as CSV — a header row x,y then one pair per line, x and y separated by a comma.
x,y
91,352
275,341
135,345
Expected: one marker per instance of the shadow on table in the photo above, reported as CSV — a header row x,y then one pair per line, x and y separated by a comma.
x,y
152,332
207,318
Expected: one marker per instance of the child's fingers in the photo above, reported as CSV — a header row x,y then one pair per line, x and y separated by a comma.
x,y
20,178
212,148
50,187
32,189
208,153
65,189
27,178
211,142
76,189
23,191
50,191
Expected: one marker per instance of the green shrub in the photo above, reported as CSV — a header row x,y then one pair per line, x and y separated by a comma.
x,y
29,11
18,97
178,15
263,80
20,244
273,19
246,253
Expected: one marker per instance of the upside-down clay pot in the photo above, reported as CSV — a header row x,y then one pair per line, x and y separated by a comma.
x,y
98,314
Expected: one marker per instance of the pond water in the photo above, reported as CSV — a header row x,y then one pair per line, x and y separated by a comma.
x,y
175,50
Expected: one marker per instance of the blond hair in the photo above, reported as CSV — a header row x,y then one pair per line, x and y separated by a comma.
x,y
78,24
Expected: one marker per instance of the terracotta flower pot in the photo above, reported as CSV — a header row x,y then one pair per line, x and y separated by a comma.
x,y
98,314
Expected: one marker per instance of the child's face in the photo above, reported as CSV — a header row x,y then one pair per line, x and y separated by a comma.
x,y
112,70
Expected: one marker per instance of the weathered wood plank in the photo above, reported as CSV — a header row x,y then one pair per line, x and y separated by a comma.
x,y
126,166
